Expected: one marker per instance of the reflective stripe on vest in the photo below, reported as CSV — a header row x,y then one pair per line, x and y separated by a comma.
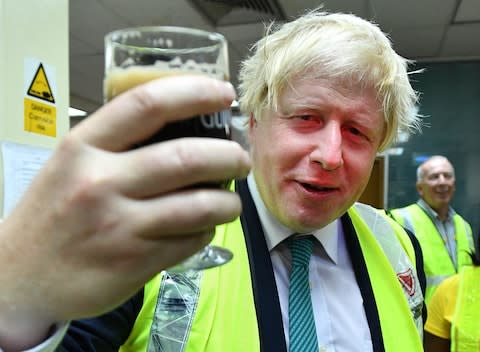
x,y
398,249
224,318
437,262
173,311
393,244
466,323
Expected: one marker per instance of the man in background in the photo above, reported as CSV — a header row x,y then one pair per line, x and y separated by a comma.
x,y
444,236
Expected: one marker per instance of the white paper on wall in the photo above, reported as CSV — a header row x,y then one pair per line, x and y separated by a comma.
x,y
20,165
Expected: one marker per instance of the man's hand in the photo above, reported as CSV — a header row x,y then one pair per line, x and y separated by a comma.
x,y
100,219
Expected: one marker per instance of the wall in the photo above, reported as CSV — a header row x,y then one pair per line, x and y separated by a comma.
x,y
32,33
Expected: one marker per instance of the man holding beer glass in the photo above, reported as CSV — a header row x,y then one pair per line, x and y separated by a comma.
x,y
101,219
324,94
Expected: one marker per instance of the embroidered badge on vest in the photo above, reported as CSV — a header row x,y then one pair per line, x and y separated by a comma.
x,y
407,281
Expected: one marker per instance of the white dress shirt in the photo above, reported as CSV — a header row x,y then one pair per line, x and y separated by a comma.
x,y
337,303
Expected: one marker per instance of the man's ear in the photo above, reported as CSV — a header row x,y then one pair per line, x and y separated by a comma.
x,y
419,188
252,122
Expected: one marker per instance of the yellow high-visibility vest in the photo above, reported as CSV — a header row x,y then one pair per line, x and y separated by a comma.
x,y
214,310
438,264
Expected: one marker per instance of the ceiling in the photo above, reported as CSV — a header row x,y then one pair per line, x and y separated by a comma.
x,y
424,30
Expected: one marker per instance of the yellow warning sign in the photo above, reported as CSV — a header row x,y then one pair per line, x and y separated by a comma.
x,y
40,118
40,88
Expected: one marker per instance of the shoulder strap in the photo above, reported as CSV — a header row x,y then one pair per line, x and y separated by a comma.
x,y
267,303
364,284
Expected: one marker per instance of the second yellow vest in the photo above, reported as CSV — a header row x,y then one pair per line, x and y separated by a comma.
x,y
437,262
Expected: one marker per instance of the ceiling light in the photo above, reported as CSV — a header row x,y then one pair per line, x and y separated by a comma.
x,y
76,112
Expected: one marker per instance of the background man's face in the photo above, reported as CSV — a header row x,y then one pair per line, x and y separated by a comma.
x,y
438,184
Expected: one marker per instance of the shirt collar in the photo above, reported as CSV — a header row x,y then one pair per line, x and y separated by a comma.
x,y
275,232
432,213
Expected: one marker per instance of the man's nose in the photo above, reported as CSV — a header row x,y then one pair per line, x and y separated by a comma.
x,y
328,150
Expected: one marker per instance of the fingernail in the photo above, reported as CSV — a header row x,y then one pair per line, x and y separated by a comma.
x,y
230,91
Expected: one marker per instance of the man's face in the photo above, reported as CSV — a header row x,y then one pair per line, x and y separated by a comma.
x,y
438,183
313,158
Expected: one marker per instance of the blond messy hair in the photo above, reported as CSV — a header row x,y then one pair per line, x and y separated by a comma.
x,y
334,46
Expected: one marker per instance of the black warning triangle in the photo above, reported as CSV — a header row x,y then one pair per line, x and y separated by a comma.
x,y
40,88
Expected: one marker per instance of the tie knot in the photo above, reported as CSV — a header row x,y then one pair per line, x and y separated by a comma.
x,y
301,250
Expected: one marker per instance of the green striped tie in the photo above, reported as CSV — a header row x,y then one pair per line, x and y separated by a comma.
x,y
303,334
